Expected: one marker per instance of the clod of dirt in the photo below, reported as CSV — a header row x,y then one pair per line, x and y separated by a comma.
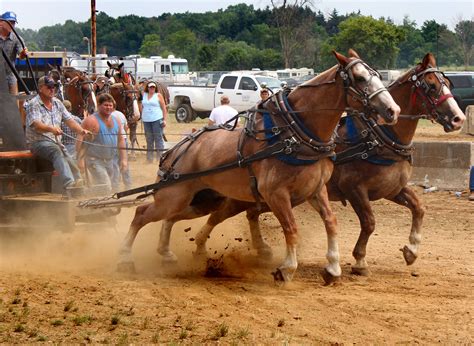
x,y
415,274
187,229
239,239
215,267
191,239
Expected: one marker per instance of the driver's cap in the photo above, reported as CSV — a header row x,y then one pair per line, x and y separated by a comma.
x,y
10,16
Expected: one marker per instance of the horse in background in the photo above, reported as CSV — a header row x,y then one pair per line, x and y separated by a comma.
x,y
117,74
311,113
75,86
126,99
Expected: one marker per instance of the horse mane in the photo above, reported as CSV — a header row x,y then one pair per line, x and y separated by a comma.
x,y
325,77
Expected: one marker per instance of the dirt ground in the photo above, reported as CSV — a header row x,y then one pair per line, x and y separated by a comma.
x,y
64,287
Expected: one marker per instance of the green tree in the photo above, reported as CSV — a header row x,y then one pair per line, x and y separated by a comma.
x,y
150,45
465,33
376,40
412,49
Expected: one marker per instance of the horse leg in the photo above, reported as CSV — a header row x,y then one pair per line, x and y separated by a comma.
x,y
263,249
168,257
408,198
280,204
144,214
228,209
361,205
165,206
320,202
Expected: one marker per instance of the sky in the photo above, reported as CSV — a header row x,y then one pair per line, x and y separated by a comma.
x,y
34,14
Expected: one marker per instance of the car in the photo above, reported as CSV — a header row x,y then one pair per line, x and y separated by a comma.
x,y
462,88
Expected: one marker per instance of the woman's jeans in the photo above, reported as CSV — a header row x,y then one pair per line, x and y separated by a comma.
x,y
154,139
62,162
471,180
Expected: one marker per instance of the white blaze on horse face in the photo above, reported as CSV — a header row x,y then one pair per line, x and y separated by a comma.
x,y
136,110
94,99
382,101
459,116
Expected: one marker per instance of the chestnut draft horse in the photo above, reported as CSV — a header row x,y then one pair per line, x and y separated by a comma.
x,y
210,153
117,74
365,172
126,99
75,86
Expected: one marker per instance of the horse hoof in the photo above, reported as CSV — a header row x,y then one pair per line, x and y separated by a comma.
x,y
408,255
360,271
278,276
170,259
126,267
328,278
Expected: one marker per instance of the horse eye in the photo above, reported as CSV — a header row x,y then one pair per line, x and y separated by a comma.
x,y
360,79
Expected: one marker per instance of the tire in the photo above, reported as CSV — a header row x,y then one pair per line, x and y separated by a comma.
x,y
184,113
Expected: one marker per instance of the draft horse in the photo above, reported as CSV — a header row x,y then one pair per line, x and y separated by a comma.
x,y
305,122
365,172
126,99
75,86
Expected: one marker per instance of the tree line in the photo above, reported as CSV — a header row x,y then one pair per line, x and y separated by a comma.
x,y
281,35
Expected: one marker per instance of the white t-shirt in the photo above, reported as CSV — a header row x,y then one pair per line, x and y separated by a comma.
x,y
122,120
222,113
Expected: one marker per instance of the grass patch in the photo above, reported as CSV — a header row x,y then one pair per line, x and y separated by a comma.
x,y
19,328
57,323
155,338
80,320
243,333
42,338
123,339
183,334
221,331
115,320
16,300
68,305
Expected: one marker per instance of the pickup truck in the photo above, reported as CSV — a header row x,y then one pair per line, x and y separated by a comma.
x,y
243,90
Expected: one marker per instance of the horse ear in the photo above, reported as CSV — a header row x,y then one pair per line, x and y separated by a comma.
x,y
107,73
109,64
341,58
428,60
353,53
120,65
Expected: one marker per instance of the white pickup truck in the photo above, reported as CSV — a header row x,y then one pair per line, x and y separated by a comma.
x,y
243,91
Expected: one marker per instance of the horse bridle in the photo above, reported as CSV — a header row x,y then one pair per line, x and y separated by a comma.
x,y
350,84
420,88
129,102
77,84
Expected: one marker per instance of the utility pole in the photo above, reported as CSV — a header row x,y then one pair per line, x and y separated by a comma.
x,y
93,33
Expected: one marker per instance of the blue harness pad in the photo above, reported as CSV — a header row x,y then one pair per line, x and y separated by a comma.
x,y
353,137
272,139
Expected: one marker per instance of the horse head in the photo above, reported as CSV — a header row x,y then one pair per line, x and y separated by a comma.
x,y
430,93
79,90
365,85
115,72
126,98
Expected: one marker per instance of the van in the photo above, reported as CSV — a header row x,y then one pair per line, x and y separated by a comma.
x,y
462,88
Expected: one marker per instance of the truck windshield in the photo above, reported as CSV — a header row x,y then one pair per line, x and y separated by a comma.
x,y
180,67
271,83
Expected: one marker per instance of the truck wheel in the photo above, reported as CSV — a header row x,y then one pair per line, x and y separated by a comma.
x,y
184,113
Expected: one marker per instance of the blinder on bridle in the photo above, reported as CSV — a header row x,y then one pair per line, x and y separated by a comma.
x,y
350,82
431,98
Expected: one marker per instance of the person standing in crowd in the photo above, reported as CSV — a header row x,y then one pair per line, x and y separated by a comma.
x,y
11,46
154,115
222,113
471,184
44,114
125,173
99,155
264,94
68,137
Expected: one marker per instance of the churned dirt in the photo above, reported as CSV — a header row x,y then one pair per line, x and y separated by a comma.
x,y
64,287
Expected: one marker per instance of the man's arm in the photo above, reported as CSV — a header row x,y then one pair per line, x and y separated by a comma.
x,y
163,108
43,128
89,128
122,150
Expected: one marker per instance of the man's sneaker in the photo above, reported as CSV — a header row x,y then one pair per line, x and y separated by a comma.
x,y
471,196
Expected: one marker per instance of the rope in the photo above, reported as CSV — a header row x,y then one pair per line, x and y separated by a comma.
x,y
108,146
